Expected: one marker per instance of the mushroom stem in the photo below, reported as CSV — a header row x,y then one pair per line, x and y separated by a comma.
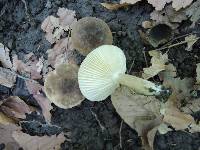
x,y
140,86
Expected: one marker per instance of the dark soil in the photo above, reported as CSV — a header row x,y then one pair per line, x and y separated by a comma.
x,y
92,125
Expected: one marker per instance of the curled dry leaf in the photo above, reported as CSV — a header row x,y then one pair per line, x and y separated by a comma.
x,y
29,67
55,27
158,61
28,142
5,120
4,56
36,89
112,6
7,77
15,108
129,1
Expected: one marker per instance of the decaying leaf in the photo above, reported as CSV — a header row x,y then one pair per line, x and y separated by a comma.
x,y
27,68
6,136
4,56
136,110
7,77
169,16
55,27
112,6
61,52
179,120
15,108
191,40
176,4
36,89
28,142
158,61
198,73
194,12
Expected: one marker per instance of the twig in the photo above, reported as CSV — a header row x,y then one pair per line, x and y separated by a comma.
x,y
145,58
99,122
120,134
176,44
131,66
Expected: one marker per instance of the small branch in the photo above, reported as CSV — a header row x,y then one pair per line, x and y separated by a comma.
x,y
99,122
176,44
120,134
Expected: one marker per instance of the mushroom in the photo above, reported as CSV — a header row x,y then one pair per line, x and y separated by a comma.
x,y
103,70
89,33
61,86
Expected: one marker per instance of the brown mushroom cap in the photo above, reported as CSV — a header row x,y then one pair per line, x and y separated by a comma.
x,y
89,33
61,86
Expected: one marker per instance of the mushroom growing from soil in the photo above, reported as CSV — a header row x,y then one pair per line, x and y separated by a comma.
x,y
89,33
103,70
61,86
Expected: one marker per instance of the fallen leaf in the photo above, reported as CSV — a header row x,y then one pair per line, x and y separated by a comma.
x,y
191,40
45,104
112,6
158,61
55,27
179,120
136,110
15,108
176,4
7,77
169,16
28,142
6,136
192,106
28,68
147,24
4,56
194,12
61,52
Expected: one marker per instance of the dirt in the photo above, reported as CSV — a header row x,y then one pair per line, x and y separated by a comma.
x,y
92,125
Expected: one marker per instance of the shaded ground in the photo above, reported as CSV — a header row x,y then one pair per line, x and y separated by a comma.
x,y
91,126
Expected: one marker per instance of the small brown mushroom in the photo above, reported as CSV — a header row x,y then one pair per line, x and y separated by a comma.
x,y
61,86
89,33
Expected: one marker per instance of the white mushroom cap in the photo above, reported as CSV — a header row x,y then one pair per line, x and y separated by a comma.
x,y
99,72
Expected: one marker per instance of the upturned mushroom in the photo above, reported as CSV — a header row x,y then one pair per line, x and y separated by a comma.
x,y
103,70
61,86
89,33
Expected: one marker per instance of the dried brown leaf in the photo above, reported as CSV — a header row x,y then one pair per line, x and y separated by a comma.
x,y
45,104
28,142
158,61
4,56
55,27
7,77
5,120
179,120
192,106
136,110
61,52
28,68
15,108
